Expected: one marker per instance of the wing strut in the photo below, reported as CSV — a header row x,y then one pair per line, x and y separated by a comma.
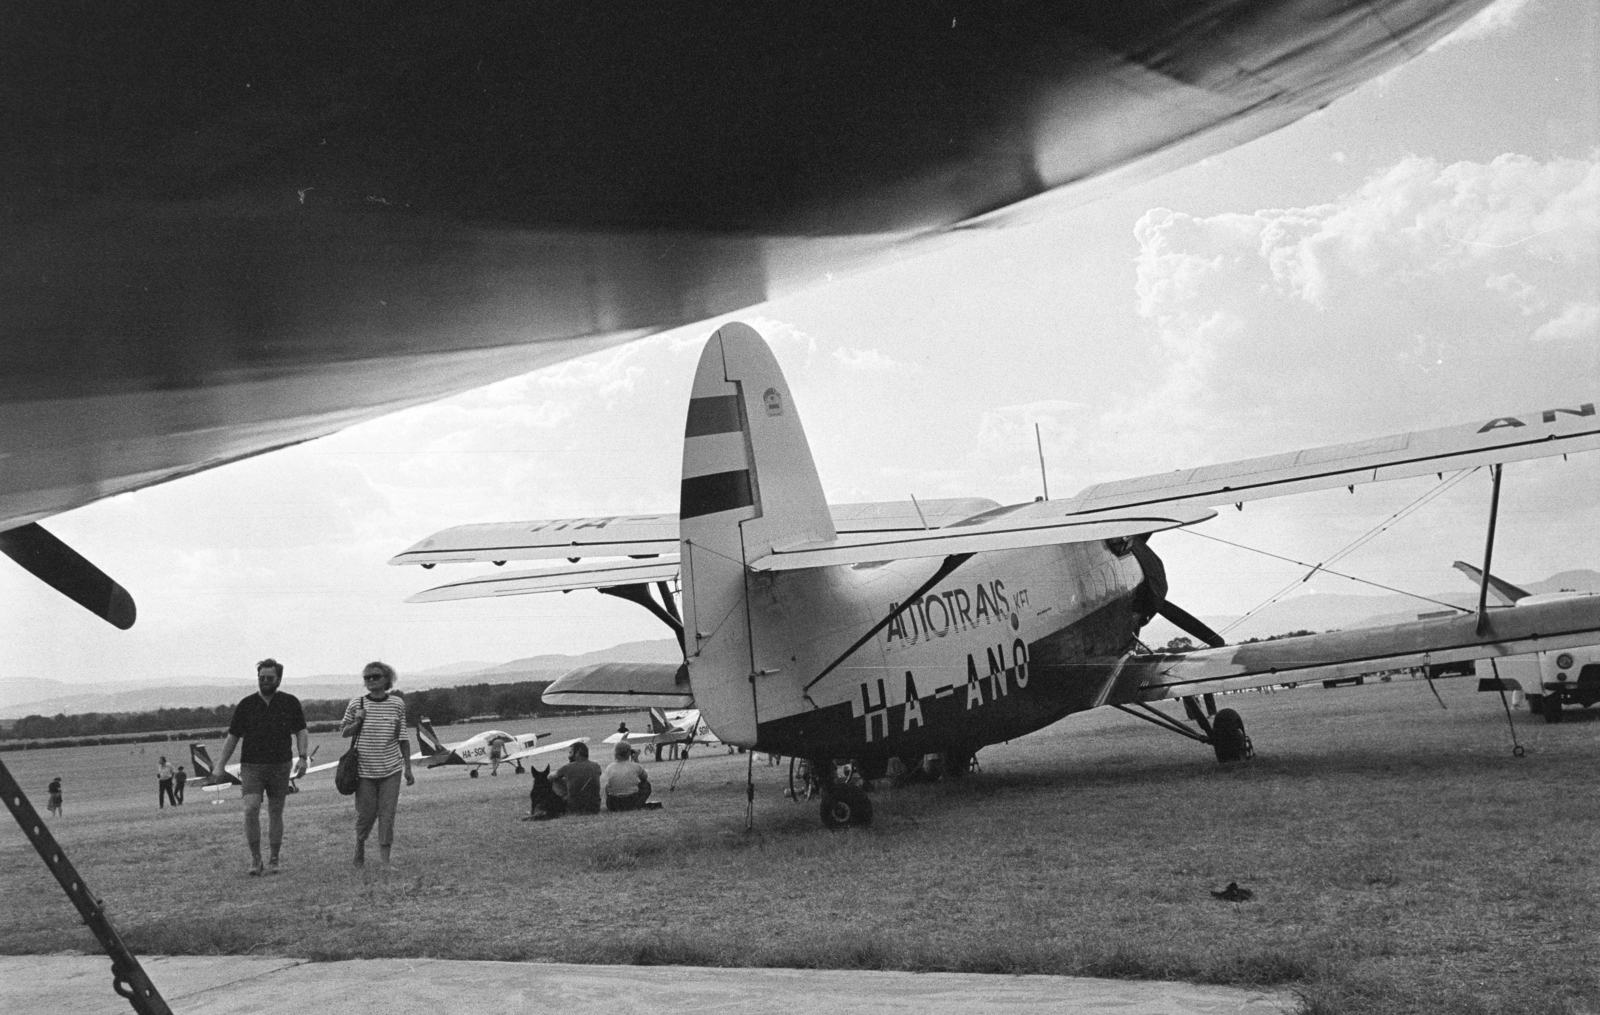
x,y
1488,551
640,594
69,573
951,562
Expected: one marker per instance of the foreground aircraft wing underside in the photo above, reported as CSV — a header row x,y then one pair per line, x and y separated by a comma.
x,y
1535,434
554,579
1545,626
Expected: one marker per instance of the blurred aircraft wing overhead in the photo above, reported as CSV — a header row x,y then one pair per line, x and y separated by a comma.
x,y
234,230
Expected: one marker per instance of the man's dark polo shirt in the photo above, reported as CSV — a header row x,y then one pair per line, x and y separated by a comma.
x,y
267,729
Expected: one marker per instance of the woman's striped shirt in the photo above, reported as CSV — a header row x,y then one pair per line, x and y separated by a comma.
x,y
381,743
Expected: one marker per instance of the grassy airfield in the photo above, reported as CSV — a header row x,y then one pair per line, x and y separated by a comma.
x,y
1401,860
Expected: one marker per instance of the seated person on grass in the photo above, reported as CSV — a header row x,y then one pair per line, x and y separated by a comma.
x,y
624,783
579,781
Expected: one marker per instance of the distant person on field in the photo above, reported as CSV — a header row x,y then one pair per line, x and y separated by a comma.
x,y
624,782
53,804
178,782
579,781
377,721
164,776
267,722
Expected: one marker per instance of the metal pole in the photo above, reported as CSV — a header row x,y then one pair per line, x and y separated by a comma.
x,y
127,976
1043,479
1488,552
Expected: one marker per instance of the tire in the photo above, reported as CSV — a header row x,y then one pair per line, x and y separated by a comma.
x,y
956,764
1535,704
845,805
1228,738
1552,707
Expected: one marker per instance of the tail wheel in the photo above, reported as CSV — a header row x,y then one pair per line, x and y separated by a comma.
x,y
1228,737
844,805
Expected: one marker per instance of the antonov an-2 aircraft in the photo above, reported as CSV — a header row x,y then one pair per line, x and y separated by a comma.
x,y
874,631
232,229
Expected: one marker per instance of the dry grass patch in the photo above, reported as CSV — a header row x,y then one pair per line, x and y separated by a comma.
x,y
1401,861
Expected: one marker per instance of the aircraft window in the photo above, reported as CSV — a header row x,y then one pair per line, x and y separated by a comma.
x,y
1121,546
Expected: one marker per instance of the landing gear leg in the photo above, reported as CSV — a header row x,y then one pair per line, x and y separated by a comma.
x,y
1552,707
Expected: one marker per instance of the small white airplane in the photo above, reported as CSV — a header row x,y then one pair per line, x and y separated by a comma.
x,y
878,631
1549,678
200,758
491,747
682,727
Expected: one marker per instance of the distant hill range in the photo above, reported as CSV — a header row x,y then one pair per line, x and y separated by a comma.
x,y
23,696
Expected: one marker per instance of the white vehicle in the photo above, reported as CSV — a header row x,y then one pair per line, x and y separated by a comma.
x,y
1551,679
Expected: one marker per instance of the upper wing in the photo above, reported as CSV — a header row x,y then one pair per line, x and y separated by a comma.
x,y
1504,439
1561,624
623,685
1036,524
642,535
554,579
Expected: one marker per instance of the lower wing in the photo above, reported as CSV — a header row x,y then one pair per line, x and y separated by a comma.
x,y
1504,632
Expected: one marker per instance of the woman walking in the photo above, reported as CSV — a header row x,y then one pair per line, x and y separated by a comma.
x,y
377,721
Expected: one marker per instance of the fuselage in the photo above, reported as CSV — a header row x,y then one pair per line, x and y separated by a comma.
x,y
1007,644
232,230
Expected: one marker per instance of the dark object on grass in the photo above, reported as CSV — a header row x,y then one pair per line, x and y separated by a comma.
x,y
544,802
1233,893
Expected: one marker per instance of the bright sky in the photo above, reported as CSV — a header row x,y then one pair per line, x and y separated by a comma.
x,y
1423,252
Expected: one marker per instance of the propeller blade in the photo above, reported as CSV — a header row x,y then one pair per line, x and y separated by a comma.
x,y
69,573
1188,623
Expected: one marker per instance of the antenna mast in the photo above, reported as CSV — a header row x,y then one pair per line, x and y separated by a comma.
x,y
1042,477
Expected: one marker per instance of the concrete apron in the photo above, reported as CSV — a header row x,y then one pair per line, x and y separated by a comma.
x,y
242,985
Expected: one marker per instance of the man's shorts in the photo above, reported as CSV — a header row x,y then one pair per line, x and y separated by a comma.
x,y
271,779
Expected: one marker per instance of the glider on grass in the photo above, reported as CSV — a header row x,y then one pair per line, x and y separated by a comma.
x,y
491,747
880,631
204,766
681,727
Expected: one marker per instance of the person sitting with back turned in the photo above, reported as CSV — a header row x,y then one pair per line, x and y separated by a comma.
x,y
579,781
624,782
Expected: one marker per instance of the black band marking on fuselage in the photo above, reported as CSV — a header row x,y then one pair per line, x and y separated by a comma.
x,y
720,491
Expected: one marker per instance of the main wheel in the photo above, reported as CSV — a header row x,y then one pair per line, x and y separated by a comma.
x,y
1552,707
1535,704
1228,737
845,805
956,764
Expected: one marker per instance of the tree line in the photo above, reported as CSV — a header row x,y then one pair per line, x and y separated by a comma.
x,y
442,706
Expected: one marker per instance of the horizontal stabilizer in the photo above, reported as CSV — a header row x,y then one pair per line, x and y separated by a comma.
x,y
639,535
1503,590
1561,624
624,685
555,579
1034,524
69,573
1537,434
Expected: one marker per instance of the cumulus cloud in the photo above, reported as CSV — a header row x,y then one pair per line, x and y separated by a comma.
x,y
1422,287
864,359
1578,320
1495,19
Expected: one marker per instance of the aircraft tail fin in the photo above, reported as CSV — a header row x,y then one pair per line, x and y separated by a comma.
x,y
658,721
428,743
1503,590
200,758
749,484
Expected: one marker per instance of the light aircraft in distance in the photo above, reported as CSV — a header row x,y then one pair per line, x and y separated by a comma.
x,y
871,632
1549,678
232,231
682,727
491,747
204,766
